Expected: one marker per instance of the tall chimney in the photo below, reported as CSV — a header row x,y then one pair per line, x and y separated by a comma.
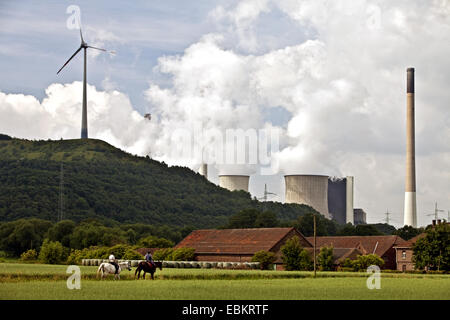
x,y
410,214
203,170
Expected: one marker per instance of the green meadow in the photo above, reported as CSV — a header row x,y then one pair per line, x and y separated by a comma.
x,y
48,282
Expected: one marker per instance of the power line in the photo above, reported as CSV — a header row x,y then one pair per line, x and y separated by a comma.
x,y
266,193
61,194
436,212
387,219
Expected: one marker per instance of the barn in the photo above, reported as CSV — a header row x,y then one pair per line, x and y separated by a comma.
x,y
239,245
383,246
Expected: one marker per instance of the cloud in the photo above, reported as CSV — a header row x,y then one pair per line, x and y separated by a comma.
x,y
111,116
344,86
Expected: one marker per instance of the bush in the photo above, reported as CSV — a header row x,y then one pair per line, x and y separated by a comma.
x,y
163,254
295,257
325,259
264,258
154,242
29,255
75,257
118,250
363,262
182,254
52,252
131,254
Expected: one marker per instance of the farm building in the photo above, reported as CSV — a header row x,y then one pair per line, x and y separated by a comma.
x,y
404,254
383,246
404,251
339,254
239,245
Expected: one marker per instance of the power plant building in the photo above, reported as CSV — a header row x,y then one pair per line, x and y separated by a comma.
x,y
311,190
360,216
340,199
234,182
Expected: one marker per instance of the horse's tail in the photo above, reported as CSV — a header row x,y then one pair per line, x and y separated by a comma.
x,y
100,268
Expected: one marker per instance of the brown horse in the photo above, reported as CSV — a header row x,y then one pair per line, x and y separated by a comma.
x,y
146,267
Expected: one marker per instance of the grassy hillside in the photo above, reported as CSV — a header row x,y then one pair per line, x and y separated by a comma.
x,y
103,182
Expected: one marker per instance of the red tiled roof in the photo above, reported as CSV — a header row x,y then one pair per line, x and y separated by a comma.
x,y
235,241
366,244
412,241
339,254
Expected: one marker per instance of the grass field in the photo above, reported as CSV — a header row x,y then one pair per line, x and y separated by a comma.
x,y
28,281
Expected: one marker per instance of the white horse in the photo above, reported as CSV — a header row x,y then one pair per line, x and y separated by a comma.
x,y
107,268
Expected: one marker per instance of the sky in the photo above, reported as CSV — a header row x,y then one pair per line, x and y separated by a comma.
x,y
327,78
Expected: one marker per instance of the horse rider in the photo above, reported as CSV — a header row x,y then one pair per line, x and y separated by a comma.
x,y
112,260
149,258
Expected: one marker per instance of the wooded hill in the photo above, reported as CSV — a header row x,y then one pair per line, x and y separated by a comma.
x,y
108,184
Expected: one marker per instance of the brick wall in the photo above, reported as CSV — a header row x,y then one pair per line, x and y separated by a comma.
x,y
404,259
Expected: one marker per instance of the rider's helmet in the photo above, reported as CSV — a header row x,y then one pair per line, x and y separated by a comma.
x,y
112,258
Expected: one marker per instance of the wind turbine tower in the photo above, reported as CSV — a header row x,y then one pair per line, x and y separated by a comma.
x,y
84,46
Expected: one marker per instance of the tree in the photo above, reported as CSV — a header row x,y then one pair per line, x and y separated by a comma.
x,y
52,252
433,251
359,230
265,259
23,234
325,259
408,232
266,219
384,228
155,242
243,219
294,256
324,226
61,232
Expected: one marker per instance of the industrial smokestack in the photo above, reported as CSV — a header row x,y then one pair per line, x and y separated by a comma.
x,y
349,186
203,170
410,213
234,182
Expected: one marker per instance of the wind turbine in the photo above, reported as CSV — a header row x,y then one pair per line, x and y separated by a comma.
x,y
84,45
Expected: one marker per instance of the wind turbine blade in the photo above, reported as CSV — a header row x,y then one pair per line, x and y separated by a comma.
x,y
97,48
70,59
81,35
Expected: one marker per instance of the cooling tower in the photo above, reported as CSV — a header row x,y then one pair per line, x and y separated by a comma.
x,y
234,182
311,190
410,214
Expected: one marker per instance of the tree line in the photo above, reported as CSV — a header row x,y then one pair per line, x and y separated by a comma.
x,y
21,235
254,218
